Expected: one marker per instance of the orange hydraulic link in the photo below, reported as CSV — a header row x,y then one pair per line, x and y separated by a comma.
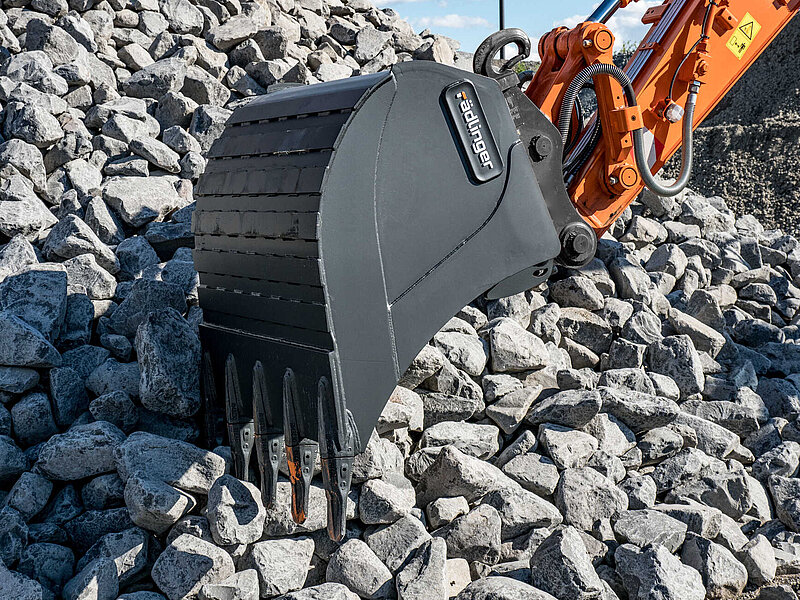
x,y
737,31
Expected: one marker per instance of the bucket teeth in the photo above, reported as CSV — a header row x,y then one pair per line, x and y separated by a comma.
x,y
268,438
301,459
240,422
301,452
337,443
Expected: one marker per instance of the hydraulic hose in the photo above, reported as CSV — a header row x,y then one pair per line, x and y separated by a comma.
x,y
687,152
687,158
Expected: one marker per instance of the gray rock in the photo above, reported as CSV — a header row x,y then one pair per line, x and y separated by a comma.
x,y
135,256
157,153
659,444
455,473
404,409
32,419
509,411
357,567
81,452
535,473
113,376
104,491
38,297
501,588
465,351
102,222
654,572
425,577
18,586
85,275
21,210
729,491
577,292
584,497
473,439
562,567
235,511
712,439
282,565
781,398
239,586
676,357
445,407
98,580
612,435
570,408
140,200
395,544
84,530
647,527
207,124
386,499
381,456
568,448
155,80
782,460
146,297
723,575
702,520
641,412
32,124
177,463
169,358
444,510
513,348
758,557
521,510
51,565
187,564
14,534
641,492
585,328
155,505
474,536
116,408
29,495
324,591
785,493
68,395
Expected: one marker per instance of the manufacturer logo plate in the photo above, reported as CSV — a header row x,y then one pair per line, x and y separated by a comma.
x,y
471,129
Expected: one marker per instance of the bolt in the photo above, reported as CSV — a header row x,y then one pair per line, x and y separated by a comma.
x,y
613,180
541,147
587,43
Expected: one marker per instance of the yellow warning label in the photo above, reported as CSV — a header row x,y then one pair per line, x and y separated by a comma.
x,y
743,36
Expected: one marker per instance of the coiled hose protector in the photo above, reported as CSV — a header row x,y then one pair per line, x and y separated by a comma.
x,y
687,152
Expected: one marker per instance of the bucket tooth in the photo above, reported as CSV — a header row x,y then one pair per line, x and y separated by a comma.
x,y
301,452
338,442
268,438
240,421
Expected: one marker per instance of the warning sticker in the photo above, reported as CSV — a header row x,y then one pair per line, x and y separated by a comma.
x,y
744,35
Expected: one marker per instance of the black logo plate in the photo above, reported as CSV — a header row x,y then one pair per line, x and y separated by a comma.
x,y
471,128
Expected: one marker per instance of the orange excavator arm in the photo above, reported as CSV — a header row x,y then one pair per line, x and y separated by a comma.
x,y
694,52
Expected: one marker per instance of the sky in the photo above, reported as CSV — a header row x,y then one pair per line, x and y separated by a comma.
x,y
471,21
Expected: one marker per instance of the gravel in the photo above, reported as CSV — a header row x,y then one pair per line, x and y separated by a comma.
x,y
656,457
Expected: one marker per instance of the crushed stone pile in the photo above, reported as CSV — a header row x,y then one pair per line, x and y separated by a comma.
x,y
748,150
627,431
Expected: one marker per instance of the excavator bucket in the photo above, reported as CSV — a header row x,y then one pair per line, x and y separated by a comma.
x,y
338,227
